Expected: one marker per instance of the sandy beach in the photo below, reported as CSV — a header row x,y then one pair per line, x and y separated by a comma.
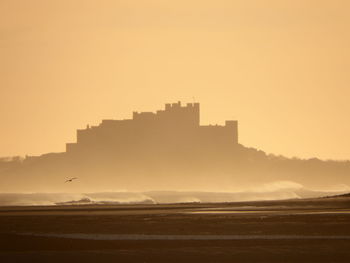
x,y
310,230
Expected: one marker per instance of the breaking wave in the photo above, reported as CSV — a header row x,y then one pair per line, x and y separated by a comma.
x,y
279,190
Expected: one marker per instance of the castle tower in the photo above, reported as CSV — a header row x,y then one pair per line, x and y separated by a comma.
x,y
188,115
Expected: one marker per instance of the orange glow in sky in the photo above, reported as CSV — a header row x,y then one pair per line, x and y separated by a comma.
x,y
281,68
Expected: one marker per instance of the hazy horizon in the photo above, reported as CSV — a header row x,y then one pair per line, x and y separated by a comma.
x,y
279,67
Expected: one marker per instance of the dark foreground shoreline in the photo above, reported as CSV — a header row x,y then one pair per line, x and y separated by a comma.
x,y
314,230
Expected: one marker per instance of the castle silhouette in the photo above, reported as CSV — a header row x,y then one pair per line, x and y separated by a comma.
x,y
175,128
166,149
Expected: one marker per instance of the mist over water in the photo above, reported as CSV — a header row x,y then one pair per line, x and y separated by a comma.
x,y
278,190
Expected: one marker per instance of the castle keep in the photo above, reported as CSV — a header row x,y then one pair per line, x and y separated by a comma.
x,y
175,127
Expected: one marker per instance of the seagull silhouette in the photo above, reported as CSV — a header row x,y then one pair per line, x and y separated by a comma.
x,y
70,180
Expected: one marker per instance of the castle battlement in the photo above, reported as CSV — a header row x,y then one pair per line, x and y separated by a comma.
x,y
175,125
172,106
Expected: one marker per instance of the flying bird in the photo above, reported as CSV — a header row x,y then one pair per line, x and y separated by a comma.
x,y
71,179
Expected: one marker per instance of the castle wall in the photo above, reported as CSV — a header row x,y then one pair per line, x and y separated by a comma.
x,y
176,127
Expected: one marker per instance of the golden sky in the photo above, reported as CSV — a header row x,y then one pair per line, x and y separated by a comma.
x,y
281,67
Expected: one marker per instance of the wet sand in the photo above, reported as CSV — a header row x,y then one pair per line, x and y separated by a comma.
x,y
270,231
